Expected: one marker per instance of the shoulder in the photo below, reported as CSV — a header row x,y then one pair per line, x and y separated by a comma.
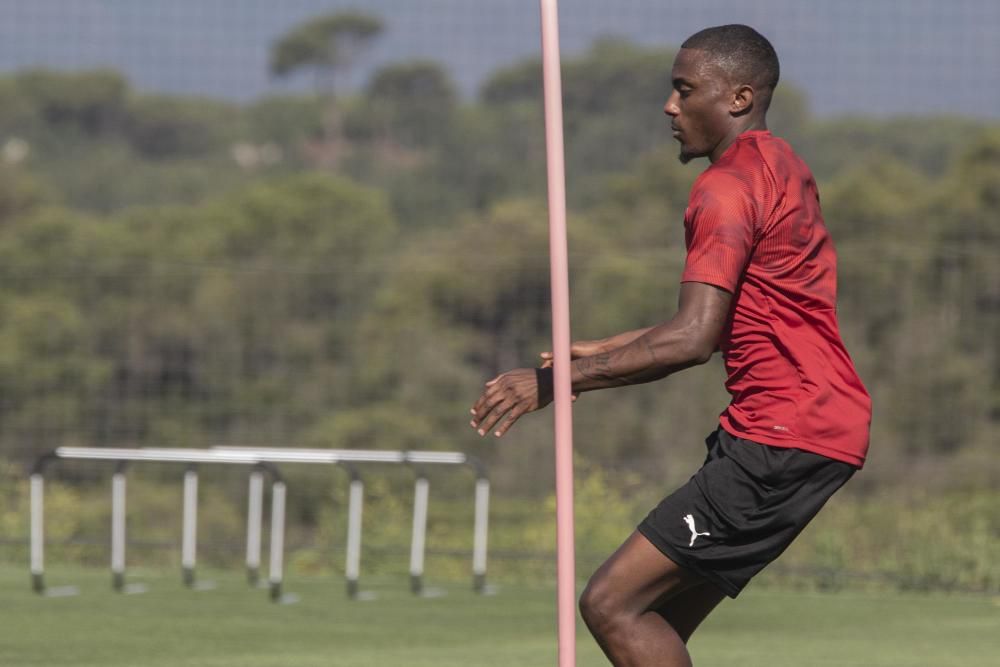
x,y
779,159
724,187
739,169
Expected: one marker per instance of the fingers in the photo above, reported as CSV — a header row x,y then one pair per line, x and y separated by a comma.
x,y
578,349
483,406
584,348
495,415
490,407
509,420
503,401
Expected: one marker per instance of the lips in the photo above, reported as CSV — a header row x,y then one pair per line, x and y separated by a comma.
x,y
676,131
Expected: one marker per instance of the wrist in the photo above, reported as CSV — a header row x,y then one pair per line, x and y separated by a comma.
x,y
546,385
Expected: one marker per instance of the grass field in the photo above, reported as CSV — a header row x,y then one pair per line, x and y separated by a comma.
x,y
233,625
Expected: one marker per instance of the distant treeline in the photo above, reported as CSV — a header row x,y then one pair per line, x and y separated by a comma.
x,y
345,271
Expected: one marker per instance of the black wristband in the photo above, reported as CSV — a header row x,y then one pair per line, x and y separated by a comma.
x,y
545,385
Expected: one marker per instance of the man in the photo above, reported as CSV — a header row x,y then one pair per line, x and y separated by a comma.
x,y
759,283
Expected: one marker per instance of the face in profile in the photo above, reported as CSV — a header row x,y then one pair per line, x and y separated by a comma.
x,y
699,104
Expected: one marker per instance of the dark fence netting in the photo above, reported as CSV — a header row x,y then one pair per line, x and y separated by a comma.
x,y
323,224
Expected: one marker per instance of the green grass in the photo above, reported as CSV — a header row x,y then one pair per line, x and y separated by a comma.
x,y
234,625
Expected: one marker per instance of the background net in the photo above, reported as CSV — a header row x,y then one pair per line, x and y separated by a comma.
x,y
217,228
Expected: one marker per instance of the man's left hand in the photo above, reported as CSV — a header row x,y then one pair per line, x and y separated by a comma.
x,y
509,396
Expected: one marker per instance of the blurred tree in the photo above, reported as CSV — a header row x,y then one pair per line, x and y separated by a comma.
x,y
20,193
90,102
411,105
160,127
328,45
788,115
927,144
289,121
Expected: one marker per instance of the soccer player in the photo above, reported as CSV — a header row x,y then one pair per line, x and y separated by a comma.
x,y
759,284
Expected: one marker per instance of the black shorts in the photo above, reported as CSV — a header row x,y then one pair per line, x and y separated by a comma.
x,y
742,508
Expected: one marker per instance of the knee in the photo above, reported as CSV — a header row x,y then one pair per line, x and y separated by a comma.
x,y
599,607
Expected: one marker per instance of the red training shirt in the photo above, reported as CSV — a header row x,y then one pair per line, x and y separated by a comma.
x,y
753,227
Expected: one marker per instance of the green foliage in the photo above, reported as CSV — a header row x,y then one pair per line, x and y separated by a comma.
x,y
89,102
926,143
613,100
324,42
20,193
409,105
165,127
287,121
182,271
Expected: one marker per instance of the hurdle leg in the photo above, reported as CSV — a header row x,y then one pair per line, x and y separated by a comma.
x,y
38,533
118,529
417,543
189,533
277,539
354,510
255,506
482,510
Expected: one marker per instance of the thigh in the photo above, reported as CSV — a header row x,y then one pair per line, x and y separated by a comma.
x,y
686,610
638,577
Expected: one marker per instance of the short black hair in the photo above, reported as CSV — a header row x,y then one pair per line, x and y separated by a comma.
x,y
742,51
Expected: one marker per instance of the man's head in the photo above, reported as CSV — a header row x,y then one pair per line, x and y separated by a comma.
x,y
722,79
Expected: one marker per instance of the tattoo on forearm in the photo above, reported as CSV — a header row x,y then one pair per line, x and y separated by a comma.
x,y
599,367
649,349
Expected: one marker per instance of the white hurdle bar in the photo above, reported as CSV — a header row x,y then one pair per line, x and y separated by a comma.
x,y
190,504
421,493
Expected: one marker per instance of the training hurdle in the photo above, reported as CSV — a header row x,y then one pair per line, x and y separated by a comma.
x,y
191,457
416,460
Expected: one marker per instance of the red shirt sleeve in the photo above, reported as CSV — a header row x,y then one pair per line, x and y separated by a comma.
x,y
719,230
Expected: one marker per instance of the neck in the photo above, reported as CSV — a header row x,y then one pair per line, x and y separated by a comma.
x,y
748,125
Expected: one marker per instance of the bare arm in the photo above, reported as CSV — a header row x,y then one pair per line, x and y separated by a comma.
x,y
688,339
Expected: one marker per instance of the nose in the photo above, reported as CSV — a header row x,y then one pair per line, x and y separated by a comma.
x,y
671,108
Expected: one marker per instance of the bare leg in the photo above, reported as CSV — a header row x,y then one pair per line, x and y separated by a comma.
x,y
628,606
686,610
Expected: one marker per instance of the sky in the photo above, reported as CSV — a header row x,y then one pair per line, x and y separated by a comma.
x,y
881,57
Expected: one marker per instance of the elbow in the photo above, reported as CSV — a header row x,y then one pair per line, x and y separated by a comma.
x,y
702,349
701,355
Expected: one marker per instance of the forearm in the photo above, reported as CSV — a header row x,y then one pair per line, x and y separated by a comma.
x,y
648,355
623,339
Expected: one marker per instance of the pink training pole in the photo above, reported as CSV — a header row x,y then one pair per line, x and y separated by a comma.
x,y
566,567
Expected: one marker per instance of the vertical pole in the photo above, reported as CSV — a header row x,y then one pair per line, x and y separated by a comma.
x,y
479,534
255,505
277,538
421,492
566,574
190,526
37,532
118,529
353,568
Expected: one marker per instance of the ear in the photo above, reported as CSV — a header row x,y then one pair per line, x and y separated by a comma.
x,y
742,100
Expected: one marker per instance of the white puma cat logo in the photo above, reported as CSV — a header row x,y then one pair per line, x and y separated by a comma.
x,y
689,520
